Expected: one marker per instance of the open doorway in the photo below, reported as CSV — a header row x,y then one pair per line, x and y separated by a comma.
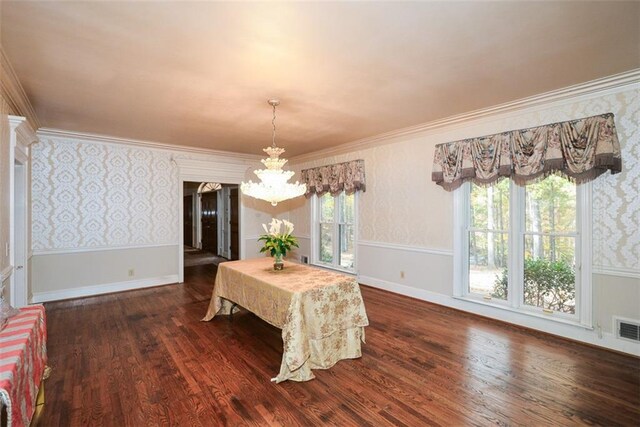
x,y
211,223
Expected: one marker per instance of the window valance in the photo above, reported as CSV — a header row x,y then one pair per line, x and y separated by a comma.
x,y
347,177
579,149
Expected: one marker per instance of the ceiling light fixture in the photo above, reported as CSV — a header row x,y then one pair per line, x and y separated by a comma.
x,y
273,186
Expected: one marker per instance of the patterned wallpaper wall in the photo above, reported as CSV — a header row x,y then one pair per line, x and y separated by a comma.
x,y
90,195
402,205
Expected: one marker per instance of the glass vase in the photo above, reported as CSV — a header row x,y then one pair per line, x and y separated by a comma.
x,y
278,263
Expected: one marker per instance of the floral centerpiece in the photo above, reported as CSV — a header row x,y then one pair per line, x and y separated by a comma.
x,y
278,241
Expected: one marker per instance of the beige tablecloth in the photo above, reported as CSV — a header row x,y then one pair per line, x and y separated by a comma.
x,y
321,313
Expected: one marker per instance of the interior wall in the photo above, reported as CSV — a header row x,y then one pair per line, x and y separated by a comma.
x,y
405,221
101,209
77,274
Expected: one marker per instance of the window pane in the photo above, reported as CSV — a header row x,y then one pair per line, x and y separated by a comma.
x,y
549,273
551,205
326,243
347,240
327,203
488,254
490,206
347,208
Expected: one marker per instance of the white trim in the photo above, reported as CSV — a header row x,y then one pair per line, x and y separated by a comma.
x,y
106,288
616,271
97,249
571,331
584,288
315,229
396,246
598,87
6,273
583,283
112,140
460,207
14,92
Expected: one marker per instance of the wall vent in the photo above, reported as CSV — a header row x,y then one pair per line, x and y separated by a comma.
x,y
628,329
304,259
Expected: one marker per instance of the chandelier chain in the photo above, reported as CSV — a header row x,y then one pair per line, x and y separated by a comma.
x,y
273,123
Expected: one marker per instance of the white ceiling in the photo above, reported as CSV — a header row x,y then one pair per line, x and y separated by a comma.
x,y
199,74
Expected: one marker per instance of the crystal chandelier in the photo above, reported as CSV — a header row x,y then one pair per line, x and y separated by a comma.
x,y
273,186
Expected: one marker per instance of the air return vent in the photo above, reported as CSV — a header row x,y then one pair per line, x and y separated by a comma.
x,y
628,329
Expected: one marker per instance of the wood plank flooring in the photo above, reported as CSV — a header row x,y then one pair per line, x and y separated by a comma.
x,y
144,358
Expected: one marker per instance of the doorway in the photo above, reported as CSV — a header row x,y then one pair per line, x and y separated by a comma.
x,y
211,223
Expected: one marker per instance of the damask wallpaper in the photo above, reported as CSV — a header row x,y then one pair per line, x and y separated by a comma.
x,y
89,195
402,206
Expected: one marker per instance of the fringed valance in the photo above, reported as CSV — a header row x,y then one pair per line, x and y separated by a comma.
x,y
347,177
579,149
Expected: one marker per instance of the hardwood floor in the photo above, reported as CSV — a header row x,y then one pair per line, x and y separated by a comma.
x,y
144,358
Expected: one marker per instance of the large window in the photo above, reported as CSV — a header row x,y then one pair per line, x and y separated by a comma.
x,y
525,248
334,236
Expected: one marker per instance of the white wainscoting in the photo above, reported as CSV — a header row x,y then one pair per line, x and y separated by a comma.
x,y
65,275
429,269
106,288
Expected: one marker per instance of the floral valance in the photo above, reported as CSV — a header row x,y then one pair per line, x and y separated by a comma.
x,y
347,177
579,149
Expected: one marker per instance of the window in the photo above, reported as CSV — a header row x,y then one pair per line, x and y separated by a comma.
x,y
525,248
334,236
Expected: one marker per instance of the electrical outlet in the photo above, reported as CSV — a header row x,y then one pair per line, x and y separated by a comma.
x,y
402,274
132,272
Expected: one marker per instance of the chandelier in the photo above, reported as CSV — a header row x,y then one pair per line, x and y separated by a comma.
x,y
273,186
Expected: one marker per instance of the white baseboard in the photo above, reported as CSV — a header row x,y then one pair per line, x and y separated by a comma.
x,y
574,332
87,291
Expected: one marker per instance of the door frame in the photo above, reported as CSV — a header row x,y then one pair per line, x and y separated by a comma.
x,y
20,139
215,170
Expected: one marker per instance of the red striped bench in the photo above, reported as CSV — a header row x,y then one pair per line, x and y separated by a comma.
x,y
23,359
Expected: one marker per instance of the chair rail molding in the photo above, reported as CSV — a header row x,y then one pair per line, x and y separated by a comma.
x,y
395,246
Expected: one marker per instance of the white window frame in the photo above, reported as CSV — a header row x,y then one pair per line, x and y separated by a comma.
x,y
583,314
315,236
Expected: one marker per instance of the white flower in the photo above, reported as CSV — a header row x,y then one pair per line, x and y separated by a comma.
x,y
266,230
274,227
288,227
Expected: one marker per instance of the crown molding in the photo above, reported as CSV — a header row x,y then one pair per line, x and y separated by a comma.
x,y
598,86
22,127
14,93
138,143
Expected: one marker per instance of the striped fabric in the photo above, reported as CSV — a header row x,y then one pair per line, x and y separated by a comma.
x,y
23,357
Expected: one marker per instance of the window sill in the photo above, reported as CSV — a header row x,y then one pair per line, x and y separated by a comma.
x,y
338,269
503,306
